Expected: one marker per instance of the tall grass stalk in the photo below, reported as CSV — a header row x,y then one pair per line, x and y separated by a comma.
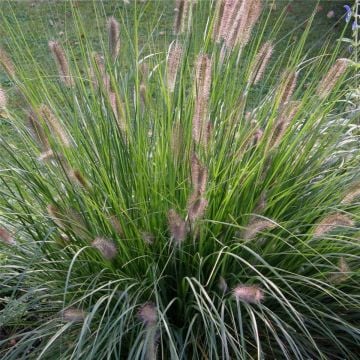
x,y
177,203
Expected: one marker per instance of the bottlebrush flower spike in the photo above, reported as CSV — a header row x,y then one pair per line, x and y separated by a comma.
x,y
329,81
61,62
106,247
261,61
56,216
352,194
6,63
6,237
73,315
38,132
203,86
287,85
182,10
3,99
257,226
114,37
282,123
148,314
331,222
252,294
55,125
199,175
177,226
227,12
253,15
196,207
175,54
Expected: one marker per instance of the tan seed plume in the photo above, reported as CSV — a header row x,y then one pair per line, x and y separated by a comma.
x,y
3,99
6,63
196,207
148,314
199,175
287,85
56,216
177,226
73,315
61,62
54,125
106,247
182,10
6,237
332,77
257,226
252,294
261,61
177,140
253,16
114,37
203,86
343,274
173,62
115,223
331,222
38,132
287,114
352,194
100,71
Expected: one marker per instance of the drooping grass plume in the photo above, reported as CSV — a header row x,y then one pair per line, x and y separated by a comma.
x,y
252,18
177,227
199,175
257,226
54,125
7,63
196,207
287,86
6,237
173,62
148,314
100,72
38,132
286,115
61,62
331,222
106,247
251,294
114,37
344,272
260,63
351,194
3,99
329,81
203,87
182,10
56,216
73,315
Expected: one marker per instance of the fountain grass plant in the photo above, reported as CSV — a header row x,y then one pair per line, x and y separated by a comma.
x,y
199,202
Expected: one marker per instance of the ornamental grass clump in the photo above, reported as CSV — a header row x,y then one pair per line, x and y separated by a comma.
x,y
192,201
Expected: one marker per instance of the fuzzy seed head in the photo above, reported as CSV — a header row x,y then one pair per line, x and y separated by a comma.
x,y
173,62
331,222
55,215
54,125
177,226
182,10
148,237
73,315
199,175
106,247
61,62
222,285
6,63
6,237
257,226
114,37
261,61
3,99
115,223
252,294
197,207
287,85
352,194
330,80
148,314
38,132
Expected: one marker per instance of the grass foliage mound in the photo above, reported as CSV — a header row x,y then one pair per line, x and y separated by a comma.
x,y
191,200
